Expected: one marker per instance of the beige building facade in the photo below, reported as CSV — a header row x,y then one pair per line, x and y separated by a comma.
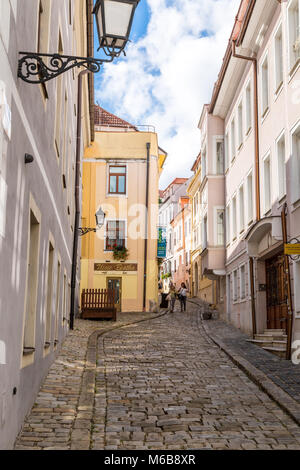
x,y
121,174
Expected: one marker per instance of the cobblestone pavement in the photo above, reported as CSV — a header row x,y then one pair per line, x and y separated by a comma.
x,y
283,373
56,413
164,384
158,384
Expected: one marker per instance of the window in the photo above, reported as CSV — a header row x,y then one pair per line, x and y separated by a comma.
x,y
32,284
227,225
248,109
115,234
241,204
226,152
242,282
57,307
232,140
281,167
265,87
49,296
294,33
204,238
203,164
220,157
235,286
117,179
296,165
220,227
250,198
278,60
234,228
240,124
267,184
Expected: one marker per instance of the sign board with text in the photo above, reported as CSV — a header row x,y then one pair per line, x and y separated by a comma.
x,y
162,243
292,249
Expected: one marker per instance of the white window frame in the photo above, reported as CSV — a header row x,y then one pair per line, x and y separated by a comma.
x,y
240,117
234,217
293,35
281,169
218,209
232,140
235,288
278,60
295,153
241,209
267,205
250,205
242,299
265,85
248,101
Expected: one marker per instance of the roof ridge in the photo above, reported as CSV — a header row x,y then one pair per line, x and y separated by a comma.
x,y
106,118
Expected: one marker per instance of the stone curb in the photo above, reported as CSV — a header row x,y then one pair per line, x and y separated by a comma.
x,y
87,390
283,399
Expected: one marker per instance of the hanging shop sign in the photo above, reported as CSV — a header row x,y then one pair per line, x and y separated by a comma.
x,y
162,243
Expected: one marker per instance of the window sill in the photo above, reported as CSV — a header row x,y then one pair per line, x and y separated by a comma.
x,y
240,146
294,69
278,90
265,114
47,345
248,131
28,351
281,199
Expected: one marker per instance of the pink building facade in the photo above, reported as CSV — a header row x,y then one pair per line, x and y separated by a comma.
x,y
250,151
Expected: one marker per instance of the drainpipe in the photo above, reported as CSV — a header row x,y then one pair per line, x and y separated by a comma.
x,y
77,198
288,283
146,227
257,179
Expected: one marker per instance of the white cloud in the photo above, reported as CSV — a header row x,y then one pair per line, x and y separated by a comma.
x,y
168,75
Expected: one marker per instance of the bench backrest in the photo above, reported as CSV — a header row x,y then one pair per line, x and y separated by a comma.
x,y
97,298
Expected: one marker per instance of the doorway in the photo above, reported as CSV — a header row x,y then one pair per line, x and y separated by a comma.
x,y
277,309
115,284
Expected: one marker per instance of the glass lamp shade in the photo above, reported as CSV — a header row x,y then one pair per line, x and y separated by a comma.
x,y
114,20
100,217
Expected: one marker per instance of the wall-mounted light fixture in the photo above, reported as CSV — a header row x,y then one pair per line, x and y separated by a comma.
x,y
114,20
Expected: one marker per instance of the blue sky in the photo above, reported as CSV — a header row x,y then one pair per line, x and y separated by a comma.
x,y
168,74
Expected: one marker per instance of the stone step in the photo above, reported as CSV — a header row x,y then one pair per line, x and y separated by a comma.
x,y
280,352
270,337
275,330
279,344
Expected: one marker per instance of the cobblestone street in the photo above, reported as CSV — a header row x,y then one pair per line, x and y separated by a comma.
x,y
158,384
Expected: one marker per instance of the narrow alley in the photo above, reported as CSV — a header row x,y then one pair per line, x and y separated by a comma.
x,y
160,383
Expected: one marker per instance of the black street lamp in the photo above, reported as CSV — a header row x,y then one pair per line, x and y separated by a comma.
x,y
114,20
100,218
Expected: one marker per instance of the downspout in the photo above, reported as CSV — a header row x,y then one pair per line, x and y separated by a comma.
x,y
77,199
146,227
257,179
289,290
257,182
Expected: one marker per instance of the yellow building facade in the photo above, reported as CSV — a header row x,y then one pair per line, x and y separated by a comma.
x,y
201,286
114,176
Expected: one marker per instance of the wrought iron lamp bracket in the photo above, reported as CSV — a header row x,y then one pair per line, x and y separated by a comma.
x,y
39,68
85,230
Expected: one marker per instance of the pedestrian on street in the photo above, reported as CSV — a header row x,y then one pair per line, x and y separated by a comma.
x,y
182,294
172,296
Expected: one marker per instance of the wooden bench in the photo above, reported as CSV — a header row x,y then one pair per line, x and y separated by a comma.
x,y
98,304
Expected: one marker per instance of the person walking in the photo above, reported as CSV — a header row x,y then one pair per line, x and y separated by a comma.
x,y
172,296
182,294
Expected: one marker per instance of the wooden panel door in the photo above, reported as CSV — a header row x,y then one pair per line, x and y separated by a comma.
x,y
115,284
276,293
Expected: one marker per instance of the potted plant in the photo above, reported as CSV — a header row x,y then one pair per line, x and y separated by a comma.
x,y
120,253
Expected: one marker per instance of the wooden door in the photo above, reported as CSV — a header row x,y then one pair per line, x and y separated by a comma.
x,y
276,293
115,284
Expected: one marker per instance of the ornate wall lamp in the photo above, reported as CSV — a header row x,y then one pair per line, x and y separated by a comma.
x,y
114,20
100,218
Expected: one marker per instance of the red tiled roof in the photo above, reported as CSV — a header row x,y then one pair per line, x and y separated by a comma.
x,y
104,118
